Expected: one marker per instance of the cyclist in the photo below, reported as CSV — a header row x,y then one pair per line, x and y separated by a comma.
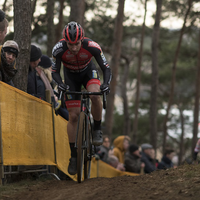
x,y
75,52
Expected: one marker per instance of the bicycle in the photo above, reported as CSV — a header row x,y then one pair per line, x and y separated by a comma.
x,y
83,143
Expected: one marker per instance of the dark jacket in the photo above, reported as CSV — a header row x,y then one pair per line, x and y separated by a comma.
x,y
32,83
165,163
149,163
36,86
132,163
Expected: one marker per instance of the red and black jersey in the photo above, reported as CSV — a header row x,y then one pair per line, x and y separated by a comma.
x,y
80,62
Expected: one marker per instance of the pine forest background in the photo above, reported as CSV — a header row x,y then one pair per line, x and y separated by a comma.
x,y
155,88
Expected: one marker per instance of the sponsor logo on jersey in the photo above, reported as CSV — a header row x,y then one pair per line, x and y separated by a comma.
x,y
94,44
69,96
73,103
83,55
94,73
103,58
57,48
56,52
69,56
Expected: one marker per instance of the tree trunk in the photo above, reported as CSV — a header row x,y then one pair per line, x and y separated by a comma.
x,y
59,27
77,11
22,35
196,105
118,32
154,76
135,122
181,153
173,80
126,124
50,27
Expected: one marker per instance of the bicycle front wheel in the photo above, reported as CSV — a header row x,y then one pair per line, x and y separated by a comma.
x,y
81,143
88,151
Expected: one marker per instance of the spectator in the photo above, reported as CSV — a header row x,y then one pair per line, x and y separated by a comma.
x,y
43,81
9,53
153,156
166,161
104,149
3,26
114,162
196,151
121,144
44,72
133,159
147,159
32,86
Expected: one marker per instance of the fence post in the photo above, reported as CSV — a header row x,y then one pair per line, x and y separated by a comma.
x,y
53,169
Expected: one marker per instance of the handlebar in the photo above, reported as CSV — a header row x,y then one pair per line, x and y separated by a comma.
x,y
86,93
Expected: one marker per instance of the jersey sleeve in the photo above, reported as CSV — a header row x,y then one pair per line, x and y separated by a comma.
x,y
57,55
97,52
101,60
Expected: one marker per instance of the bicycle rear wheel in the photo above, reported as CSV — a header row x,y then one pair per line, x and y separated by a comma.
x,y
81,145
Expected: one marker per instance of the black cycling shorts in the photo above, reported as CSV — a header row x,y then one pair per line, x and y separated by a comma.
x,y
76,80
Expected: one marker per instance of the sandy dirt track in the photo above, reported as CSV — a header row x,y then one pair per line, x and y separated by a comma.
x,y
174,184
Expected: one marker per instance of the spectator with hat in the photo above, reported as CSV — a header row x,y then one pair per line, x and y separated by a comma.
x,y
8,54
44,78
32,85
3,26
133,159
147,158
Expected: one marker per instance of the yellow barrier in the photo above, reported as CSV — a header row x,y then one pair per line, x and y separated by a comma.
x,y
102,169
28,135
27,130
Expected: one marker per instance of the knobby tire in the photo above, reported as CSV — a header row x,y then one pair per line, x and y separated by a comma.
x,y
88,152
80,145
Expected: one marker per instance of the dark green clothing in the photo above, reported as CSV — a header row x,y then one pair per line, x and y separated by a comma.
x,y
132,163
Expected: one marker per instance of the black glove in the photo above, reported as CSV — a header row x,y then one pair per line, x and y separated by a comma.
x,y
63,87
105,88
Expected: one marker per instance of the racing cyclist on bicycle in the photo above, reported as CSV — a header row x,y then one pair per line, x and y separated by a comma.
x,y
75,52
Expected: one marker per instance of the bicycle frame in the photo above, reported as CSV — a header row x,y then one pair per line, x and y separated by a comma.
x,y
83,141
85,103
